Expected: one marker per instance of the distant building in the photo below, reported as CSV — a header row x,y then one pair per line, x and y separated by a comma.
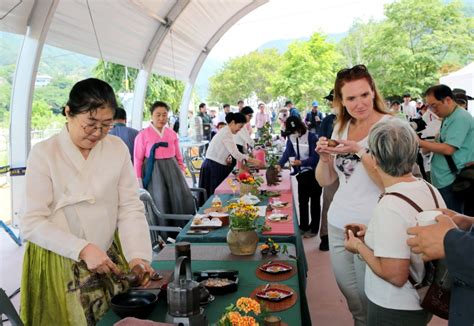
x,y
42,80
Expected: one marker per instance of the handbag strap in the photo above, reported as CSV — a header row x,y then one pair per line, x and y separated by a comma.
x,y
298,148
411,279
403,197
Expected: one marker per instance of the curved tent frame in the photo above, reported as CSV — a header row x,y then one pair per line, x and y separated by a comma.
x,y
168,37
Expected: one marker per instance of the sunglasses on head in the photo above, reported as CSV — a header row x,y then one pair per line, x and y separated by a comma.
x,y
356,70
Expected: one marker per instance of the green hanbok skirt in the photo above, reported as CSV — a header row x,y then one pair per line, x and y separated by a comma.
x,y
56,290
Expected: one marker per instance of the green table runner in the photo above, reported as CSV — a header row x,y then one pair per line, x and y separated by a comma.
x,y
220,235
247,283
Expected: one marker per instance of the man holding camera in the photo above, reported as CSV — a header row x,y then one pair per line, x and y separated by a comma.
x,y
453,148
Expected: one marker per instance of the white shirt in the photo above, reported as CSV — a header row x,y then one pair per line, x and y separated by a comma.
x,y
409,109
243,138
221,117
357,195
386,236
433,124
282,116
71,201
223,145
304,148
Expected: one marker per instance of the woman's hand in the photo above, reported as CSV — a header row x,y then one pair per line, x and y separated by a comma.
x,y
146,267
255,162
352,243
97,260
362,229
322,149
296,163
345,147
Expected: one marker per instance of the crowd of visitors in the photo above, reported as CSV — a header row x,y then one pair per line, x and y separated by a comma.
x,y
354,167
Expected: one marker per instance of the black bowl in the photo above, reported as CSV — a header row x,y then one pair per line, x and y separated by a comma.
x,y
137,304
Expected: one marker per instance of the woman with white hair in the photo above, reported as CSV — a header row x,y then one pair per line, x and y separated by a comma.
x,y
392,298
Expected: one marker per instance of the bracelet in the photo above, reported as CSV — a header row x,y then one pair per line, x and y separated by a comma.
x,y
361,152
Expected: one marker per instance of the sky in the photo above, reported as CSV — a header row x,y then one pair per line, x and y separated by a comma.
x,y
288,19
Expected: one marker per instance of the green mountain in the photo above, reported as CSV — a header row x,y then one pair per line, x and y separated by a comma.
x,y
54,62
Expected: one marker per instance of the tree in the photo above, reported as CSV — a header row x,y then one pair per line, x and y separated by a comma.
x,y
308,71
245,76
420,38
160,88
42,116
352,46
56,93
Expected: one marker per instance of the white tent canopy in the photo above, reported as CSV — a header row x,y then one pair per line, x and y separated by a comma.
x,y
126,29
463,78
168,37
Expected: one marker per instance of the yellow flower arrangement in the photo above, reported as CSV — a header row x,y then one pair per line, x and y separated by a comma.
x,y
237,315
242,216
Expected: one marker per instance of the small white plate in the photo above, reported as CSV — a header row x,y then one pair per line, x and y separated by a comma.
x,y
218,214
250,199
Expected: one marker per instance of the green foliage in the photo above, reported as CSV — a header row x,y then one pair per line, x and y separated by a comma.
x,y
418,40
42,116
160,88
55,94
244,76
307,71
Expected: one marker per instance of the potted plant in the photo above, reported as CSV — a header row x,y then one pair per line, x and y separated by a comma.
x,y
249,183
242,237
271,175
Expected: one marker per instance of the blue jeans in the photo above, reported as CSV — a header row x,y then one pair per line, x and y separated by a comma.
x,y
453,200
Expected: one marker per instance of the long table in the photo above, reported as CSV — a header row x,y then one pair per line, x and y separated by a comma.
x,y
284,186
218,256
220,235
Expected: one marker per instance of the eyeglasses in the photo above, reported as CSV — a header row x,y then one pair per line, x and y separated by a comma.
x,y
355,71
92,128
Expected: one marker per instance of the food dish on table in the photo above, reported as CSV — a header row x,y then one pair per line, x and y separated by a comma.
x,y
278,217
272,193
250,199
205,222
279,204
275,268
274,294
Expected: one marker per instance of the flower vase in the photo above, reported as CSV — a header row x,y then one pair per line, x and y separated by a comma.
x,y
242,243
248,189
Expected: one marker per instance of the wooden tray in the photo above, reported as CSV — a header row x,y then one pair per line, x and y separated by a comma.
x,y
275,306
276,277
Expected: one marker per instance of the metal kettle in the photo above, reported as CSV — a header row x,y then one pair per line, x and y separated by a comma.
x,y
183,292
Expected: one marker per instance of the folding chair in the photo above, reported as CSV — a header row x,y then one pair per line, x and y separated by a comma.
x,y
193,163
154,216
7,309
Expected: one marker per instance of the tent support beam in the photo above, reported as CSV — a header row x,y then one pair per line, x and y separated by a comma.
x,y
39,22
148,60
183,111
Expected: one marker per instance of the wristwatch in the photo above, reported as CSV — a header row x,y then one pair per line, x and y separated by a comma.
x,y
361,152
